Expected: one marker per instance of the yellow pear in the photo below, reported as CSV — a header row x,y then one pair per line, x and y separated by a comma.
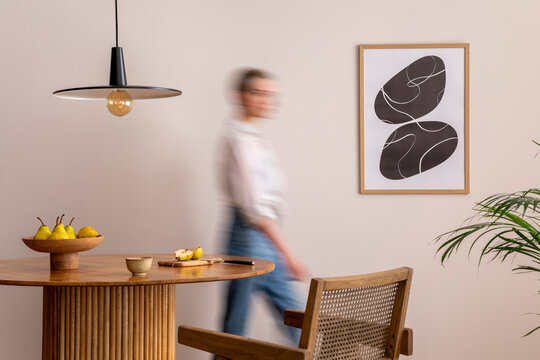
x,y
70,231
87,232
59,224
59,232
43,232
183,254
197,253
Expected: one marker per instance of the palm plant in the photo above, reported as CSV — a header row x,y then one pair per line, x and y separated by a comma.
x,y
510,226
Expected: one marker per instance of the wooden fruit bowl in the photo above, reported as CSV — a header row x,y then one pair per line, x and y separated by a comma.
x,y
64,252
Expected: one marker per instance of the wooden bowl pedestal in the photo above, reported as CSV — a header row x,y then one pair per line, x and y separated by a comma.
x,y
64,261
64,253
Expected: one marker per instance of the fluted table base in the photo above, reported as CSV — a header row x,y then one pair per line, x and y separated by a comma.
x,y
109,322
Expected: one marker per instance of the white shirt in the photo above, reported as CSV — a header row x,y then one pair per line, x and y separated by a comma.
x,y
250,173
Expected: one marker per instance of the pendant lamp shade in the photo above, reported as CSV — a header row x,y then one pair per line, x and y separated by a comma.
x,y
102,92
118,93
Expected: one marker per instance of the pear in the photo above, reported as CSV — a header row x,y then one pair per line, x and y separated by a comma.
x,y
70,231
59,231
43,232
87,232
59,223
197,253
183,254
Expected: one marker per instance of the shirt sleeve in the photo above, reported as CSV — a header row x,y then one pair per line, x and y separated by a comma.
x,y
245,185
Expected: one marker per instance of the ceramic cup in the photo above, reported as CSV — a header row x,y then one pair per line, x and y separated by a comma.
x,y
139,266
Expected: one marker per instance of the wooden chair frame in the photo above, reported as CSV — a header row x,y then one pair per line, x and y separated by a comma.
x,y
227,346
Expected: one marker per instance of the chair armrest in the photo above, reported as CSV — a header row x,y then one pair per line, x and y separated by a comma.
x,y
237,347
294,318
406,342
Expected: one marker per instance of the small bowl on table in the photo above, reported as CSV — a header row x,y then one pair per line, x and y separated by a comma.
x,y
139,266
64,253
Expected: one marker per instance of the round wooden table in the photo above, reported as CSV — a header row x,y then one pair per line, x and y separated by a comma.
x,y
101,311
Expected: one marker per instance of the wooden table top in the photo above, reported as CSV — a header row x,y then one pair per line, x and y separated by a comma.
x,y
111,270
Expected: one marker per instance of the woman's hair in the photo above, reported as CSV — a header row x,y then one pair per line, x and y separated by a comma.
x,y
245,77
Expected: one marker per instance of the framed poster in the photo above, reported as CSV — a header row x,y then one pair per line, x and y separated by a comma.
x,y
414,118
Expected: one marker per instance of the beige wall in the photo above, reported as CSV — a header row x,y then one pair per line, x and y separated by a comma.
x,y
146,181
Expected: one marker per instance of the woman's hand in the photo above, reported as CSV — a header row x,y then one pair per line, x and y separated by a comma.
x,y
298,268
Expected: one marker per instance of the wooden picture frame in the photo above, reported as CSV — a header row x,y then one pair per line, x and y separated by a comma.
x,y
414,118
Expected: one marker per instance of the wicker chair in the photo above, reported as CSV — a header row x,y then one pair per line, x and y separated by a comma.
x,y
353,317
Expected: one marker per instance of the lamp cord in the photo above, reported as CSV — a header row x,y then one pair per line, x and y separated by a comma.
x,y
116,19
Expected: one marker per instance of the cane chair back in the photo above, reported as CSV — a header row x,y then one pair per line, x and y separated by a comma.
x,y
357,317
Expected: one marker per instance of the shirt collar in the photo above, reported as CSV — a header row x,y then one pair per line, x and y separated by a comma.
x,y
246,127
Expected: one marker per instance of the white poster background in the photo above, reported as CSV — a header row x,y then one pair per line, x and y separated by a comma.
x,y
380,65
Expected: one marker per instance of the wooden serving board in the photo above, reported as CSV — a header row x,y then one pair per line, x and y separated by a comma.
x,y
186,263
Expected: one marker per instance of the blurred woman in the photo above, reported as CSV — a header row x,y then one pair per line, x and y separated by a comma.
x,y
254,184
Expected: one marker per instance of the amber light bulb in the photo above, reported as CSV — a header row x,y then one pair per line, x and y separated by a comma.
x,y
119,102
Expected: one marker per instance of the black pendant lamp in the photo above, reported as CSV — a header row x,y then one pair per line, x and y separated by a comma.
x,y
119,94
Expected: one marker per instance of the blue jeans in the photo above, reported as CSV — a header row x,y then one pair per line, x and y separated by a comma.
x,y
247,241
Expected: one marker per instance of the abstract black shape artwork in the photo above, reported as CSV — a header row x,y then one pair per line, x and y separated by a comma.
x,y
414,118
413,92
417,147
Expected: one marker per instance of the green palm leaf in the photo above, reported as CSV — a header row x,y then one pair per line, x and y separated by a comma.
x,y
508,224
